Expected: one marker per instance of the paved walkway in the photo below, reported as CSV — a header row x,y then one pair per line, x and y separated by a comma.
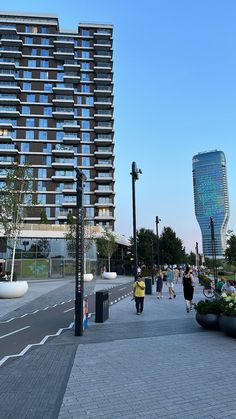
x,y
160,364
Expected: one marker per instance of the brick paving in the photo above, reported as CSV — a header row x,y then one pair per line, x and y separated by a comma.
x,y
160,364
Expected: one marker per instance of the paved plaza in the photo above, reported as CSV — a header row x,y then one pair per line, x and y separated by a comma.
x,y
160,364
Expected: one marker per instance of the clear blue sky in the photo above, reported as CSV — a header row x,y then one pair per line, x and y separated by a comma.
x,y
175,95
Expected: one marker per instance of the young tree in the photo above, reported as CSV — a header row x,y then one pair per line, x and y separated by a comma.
x,y
171,248
15,198
43,216
230,253
106,245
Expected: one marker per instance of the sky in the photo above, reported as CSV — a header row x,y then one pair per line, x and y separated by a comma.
x,y
175,96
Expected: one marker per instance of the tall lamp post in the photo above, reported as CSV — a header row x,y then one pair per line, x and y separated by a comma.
x,y
135,175
213,249
79,255
158,249
197,255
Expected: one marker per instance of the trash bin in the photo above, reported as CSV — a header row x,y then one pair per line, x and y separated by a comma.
x,y
148,286
101,306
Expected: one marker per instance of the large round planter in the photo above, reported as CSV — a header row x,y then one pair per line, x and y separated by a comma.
x,y
208,321
228,325
109,275
13,289
88,277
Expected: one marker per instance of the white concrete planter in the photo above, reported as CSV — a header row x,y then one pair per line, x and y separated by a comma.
x,y
13,289
109,275
88,277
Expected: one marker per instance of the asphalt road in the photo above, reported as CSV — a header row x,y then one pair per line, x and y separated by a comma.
x,y
20,333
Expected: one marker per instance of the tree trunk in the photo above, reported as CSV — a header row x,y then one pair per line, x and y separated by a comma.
x,y
109,264
85,263
13,258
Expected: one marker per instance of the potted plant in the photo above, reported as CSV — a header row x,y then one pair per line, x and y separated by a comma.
x,y
207,313
227,320
106,246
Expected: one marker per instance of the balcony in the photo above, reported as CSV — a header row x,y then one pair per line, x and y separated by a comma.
x,y
102,203
71,127
103,140
104,191
63,88
103,66
64,41
103,55
108,178
65,176
63,113
63,53
6,160
73,78
10,86
63,215
71,64
63,100
106,216
68,202
8,149
103,164
5,28
69,190
103,90
100,43
103,127
103,152
102,78
9,99
103,114
7,74
63,163
7,51
103,33
9,111
67,139
11,41
63,151
103,102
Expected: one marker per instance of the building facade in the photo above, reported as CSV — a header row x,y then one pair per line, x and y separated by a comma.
x,y
56,113
211,199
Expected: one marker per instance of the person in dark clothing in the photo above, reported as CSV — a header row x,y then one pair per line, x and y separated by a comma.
x,y
3,276
188,287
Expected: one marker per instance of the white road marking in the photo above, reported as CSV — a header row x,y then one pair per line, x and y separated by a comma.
x,y
15,331
69,309
5,358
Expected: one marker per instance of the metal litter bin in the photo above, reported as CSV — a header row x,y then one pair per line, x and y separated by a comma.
x,y
101,306
148,285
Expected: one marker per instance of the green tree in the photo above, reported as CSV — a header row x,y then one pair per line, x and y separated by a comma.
x,y
70,237
146,246
171,248
191,258
15,199
230,253
106,245
43,216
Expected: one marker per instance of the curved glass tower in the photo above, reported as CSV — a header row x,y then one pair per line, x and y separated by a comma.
x,y
211,199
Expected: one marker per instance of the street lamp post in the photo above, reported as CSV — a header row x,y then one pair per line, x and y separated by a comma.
x,y
213,249
135,175
158,249
79,255
197,255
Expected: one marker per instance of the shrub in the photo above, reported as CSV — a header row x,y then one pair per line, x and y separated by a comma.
x,y
209,306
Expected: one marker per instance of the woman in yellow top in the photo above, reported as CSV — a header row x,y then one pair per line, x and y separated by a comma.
x,y
139,292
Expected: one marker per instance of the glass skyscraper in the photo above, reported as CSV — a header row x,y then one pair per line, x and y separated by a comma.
x,y
211,199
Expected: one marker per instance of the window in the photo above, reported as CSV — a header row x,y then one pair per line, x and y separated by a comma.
x,y
26,86
85,136
28,40
85,77
41,198
47,110
33,51
30,122
25,147
44,63
85,161
58,199
27,74
85,32
42,173
30,98
85,112
46,160
29,135
89,100
86,199
85,54
43,123
86,172
44,75
25,110
47,148
44,52
48,87
85,124
85,43
43,98
43,135
85,88
42,185
44,41
44,29
60,76
90,212
48,212
87,186
79,99
59,135
31,63
31,29
85,149
22,159
85,66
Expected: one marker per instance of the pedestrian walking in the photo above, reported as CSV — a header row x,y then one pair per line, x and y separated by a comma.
x,y
139,293
159,283
170,283
188,287
176,275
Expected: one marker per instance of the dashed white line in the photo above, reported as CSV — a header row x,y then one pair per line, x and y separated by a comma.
x,y
15,331
69,309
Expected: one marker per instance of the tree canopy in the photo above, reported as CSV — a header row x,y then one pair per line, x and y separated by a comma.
x,y
230,253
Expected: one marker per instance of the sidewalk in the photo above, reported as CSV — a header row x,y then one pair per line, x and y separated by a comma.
x,y
160,364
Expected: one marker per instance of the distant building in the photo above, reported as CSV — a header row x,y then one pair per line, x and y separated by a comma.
x,y
211,199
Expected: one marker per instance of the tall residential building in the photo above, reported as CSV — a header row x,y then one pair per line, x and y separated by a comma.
x,y
56,113
211,199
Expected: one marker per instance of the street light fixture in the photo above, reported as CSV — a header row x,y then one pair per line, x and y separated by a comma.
x,y
158,249
135,175
79,255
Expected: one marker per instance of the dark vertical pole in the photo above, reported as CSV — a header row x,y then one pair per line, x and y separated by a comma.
x,y
158,249
152,263
197,255
134,223
79,256
213,249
